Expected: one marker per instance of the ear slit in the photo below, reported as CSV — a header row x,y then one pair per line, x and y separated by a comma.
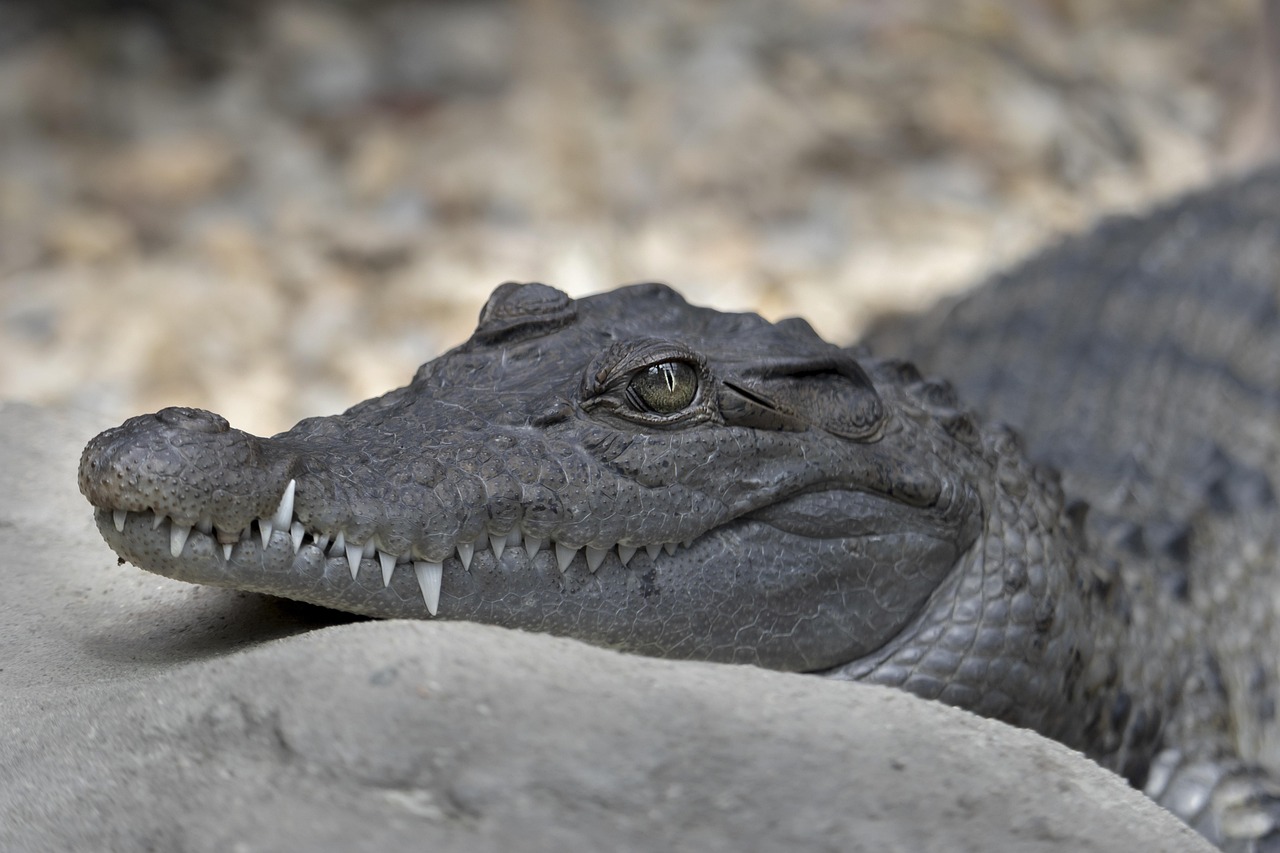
x,y
751,395
741,406
831,394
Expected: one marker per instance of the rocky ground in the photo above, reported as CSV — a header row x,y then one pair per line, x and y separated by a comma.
x,y
276,209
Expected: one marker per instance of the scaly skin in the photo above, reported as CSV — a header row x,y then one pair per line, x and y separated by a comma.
x,y
1143,362
821,511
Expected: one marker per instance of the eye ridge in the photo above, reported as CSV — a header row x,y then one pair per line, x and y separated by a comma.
x,y
665,388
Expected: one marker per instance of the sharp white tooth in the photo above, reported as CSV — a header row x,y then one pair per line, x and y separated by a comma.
x,y
119,516
178,534
498,542
564,556
339,545
687,543
354,552
465,551
669,547
157,521
625,553
533,545
370,548
296,532
653,550
322,542
595,556
388,562
264,527
429,575
284,512
226,551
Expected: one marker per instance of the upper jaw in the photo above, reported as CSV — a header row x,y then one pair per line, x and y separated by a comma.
x,y
173,486
157,505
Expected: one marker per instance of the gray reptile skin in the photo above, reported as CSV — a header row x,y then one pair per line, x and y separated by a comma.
x,y
671,480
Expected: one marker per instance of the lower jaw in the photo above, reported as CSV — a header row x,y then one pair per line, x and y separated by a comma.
x,y
683,606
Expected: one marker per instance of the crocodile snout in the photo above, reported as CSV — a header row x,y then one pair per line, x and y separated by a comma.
x,y
186,464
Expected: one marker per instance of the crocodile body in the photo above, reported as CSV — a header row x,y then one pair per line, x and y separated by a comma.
x,y
671,480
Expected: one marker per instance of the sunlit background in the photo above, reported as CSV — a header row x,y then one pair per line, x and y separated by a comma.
x,y
276,209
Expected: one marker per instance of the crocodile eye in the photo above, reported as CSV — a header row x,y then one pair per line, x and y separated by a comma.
x,y
664,388
651,382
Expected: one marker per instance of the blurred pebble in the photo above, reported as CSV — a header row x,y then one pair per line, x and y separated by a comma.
x,y
277,209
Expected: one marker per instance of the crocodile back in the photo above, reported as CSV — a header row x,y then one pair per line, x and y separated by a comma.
x,y
1143,361
1133,356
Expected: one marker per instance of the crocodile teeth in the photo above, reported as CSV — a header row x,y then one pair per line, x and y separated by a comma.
x,y
595,556
564,556
178,534
119,516
284,512
466,550
388,562
353,559
429,575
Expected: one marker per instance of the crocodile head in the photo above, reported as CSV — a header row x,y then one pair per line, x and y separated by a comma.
x,y
623,468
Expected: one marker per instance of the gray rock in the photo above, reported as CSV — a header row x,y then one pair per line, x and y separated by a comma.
x,y
141,713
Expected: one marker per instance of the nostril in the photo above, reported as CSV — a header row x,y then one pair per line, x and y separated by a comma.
x,y
195,420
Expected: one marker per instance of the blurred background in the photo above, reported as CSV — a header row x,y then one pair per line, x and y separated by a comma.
x,y
276,209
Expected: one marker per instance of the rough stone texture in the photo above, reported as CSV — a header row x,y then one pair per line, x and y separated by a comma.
x,y
146,714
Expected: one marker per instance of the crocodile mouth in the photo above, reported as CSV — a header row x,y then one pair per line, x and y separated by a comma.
x,y
144,531
814,593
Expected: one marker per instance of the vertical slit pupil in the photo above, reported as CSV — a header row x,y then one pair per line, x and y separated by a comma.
x,y
665,388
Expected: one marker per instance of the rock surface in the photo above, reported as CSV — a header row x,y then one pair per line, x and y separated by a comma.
x,y
140,713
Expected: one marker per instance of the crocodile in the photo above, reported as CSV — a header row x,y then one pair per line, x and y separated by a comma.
x,y
1073,532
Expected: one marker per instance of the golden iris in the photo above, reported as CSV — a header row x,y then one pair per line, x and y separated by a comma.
x,y
666,388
